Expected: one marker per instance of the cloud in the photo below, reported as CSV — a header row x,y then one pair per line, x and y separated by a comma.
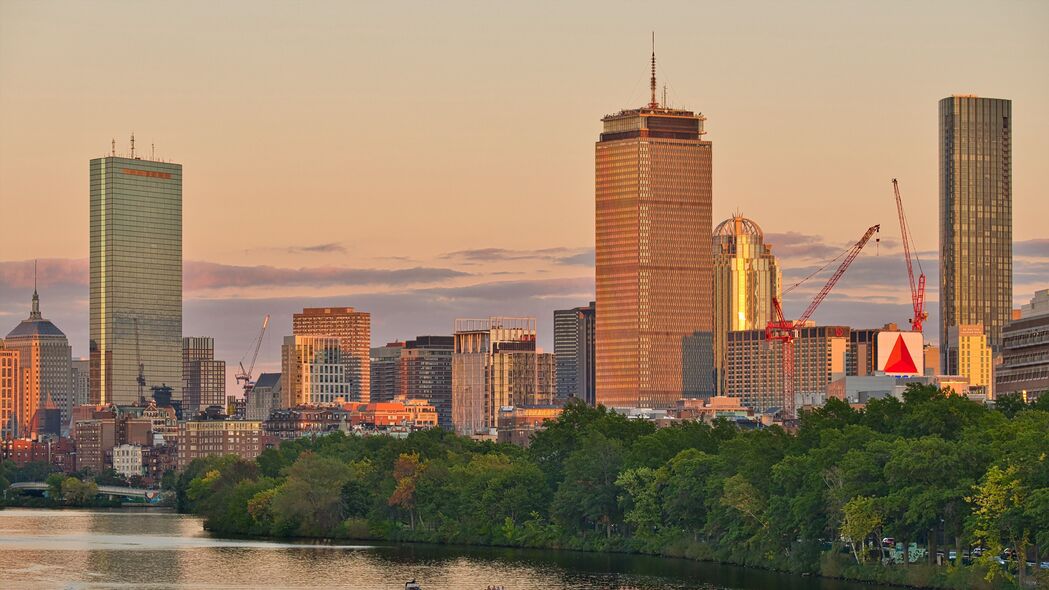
x,y
211,275
319,248
798,245
558,255
1036,248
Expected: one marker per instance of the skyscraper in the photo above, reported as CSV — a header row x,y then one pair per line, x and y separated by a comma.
x,y
45,365
976,226
574,349
136,278
746,278
10,391
312,371
353,329
386,372
654,265
426,374
204,378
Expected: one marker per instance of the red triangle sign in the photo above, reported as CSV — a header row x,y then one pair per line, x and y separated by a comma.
x,y
900,360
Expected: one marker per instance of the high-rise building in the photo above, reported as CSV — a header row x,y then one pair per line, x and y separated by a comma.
x,y
203,377
426,374
353,329
264,397
386,371
44,362
10,391
968,353
136,278
495,364
754,368
976,219
81,383
746,279
574,349
653,264
313,371
1025,351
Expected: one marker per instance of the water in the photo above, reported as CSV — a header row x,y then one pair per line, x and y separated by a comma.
x,y
131,549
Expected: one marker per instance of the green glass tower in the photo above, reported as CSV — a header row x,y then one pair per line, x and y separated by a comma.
x,y
136,278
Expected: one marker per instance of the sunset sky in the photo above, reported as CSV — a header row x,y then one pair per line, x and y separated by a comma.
x,y
426,161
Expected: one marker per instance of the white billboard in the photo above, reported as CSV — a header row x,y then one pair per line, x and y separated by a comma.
x,y
900,353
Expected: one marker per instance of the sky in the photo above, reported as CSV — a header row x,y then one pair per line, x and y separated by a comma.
x,y
427,161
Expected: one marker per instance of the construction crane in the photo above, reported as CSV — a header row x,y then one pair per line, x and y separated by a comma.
x,y
245,375
141,367
917,287
785,330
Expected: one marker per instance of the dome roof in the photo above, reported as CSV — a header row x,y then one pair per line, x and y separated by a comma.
x,y
35,327
737,225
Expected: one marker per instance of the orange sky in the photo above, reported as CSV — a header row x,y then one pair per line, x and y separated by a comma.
x,y
442,138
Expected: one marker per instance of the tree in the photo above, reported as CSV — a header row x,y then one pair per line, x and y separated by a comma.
x,y
78,493
406,472
860,518
1002,512
589,495
310,501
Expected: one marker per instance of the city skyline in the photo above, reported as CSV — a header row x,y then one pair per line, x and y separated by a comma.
x,y
448,274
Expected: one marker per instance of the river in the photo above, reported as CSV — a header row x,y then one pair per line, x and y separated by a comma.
x,y
149,549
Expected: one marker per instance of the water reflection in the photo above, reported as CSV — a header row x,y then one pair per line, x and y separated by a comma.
x,y
122,549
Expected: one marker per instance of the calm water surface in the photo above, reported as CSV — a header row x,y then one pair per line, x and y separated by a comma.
x,y
127,549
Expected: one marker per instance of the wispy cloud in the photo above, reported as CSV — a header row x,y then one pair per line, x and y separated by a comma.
x,y
319,248
558,255
211,275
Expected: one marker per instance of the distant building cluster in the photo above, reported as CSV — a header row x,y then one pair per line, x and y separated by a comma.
x,y
681,327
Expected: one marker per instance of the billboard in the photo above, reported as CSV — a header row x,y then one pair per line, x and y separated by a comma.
x,y
900,353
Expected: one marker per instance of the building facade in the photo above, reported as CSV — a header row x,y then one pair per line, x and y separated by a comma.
x,y
81,381
206,438
128,460
353,329
426,374
746,279
976,224
968,353
203,377
45,363
1025,351
386,371
10,391
313,371
495,364
653,257
136,278
264,397
754,368
574,348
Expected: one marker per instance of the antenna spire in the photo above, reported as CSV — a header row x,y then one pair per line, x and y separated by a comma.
x,y
652,81
132,145
35,314
113,147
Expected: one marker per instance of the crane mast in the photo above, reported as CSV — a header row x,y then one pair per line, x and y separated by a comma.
x,y
245,375
141,367
917,287
785,330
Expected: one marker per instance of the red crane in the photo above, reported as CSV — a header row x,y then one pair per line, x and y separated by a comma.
x,y
786,330
917,291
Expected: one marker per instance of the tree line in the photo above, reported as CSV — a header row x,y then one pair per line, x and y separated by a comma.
x,y
935,472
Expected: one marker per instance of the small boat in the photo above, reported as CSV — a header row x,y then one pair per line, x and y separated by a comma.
x,y
413,585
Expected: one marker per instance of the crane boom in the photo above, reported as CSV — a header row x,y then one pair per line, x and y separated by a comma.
x,y
917,286
786,330
245,375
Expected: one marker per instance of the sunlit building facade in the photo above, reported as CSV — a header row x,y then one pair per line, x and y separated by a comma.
x,y
653,263
976,227
746,278
136,278
10,391
313,371
968,353
353,329
426,374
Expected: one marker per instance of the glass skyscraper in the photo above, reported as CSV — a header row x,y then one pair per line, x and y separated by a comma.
x,y
654,265
136,278
976,227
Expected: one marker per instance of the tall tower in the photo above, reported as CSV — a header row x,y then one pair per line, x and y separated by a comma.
x,y
653,201
136,277
746,278
354,330
976,223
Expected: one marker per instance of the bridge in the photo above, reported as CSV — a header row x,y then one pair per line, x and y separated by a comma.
x,y
151,496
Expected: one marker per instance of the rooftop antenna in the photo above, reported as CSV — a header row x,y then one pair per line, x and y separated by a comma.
x,y
152,149
132,145
113,147
652,80
664,96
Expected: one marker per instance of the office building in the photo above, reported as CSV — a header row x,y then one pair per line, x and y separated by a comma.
x,y
386,371
574,349
932,360
426,374
353,329
653,257
204,378
976,223
746,279
495,364
10,391
968,354
264,397
754,367
45,365
81,382
313,372
136,278
216,437
1025,351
